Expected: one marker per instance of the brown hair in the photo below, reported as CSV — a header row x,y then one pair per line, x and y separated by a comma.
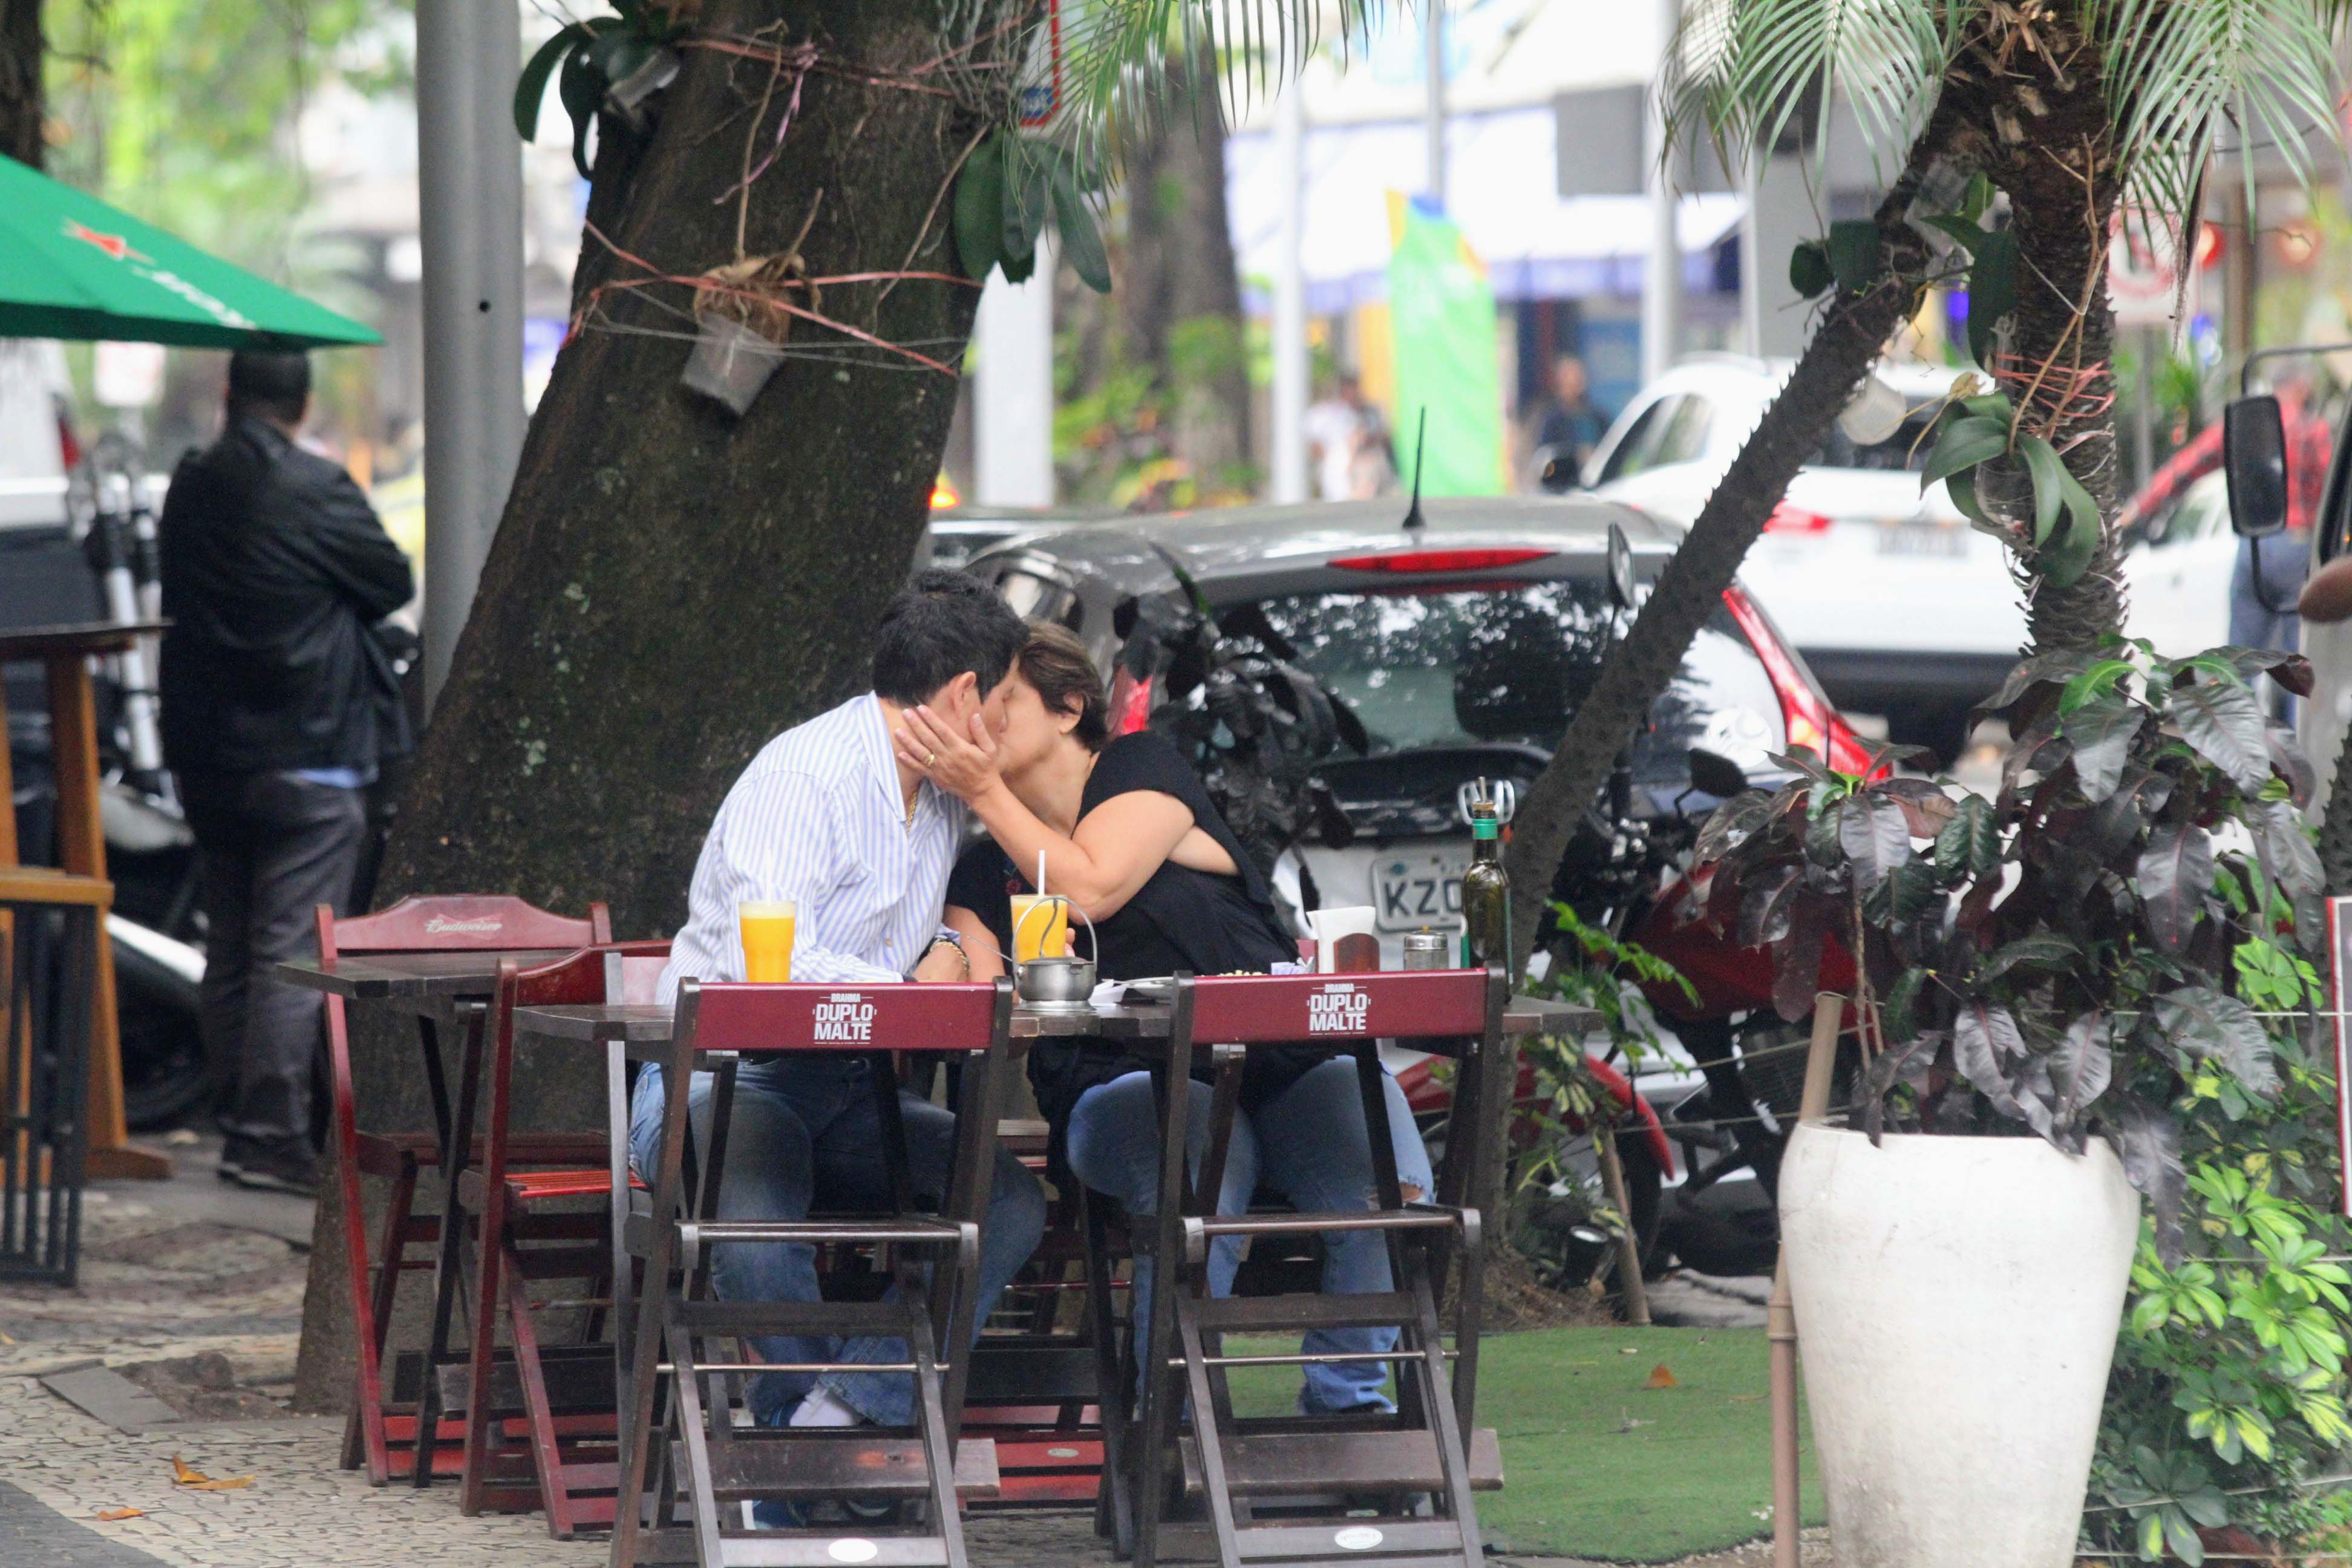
x,y
1054,662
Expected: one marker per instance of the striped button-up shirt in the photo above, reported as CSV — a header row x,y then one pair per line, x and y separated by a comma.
x,y
819,818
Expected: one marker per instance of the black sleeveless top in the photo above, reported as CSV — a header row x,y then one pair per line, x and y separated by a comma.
x,y
1196,921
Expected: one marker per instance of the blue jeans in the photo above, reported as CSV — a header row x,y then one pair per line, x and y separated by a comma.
x,y
804,1128
1309,1144
2285,560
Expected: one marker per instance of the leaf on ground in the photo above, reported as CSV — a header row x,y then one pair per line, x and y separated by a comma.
x,y
197,1481
1661,1378
109,1515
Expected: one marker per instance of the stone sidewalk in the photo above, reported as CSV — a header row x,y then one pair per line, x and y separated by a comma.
x,y
190,1267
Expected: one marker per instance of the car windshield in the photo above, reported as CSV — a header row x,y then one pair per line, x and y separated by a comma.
x,y
1903,451
1511,665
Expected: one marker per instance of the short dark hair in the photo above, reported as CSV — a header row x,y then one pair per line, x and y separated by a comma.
x,y
936,628
1056,663
271,382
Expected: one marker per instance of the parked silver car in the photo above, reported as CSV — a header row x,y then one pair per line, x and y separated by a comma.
x,y
1463,646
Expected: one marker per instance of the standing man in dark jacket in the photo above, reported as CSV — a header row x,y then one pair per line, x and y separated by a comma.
x,y
275,708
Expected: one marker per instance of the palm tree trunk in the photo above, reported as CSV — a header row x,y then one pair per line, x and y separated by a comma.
x,y
21,100
1851,335
2052,151
1179,298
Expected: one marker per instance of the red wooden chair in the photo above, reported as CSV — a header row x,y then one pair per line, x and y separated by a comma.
x,y
439,923
696,1450
530,1227
1267,1483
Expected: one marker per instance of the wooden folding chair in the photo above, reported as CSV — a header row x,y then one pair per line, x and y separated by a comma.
x,y
381,1416
532,1228
1293,1490
1033,1389
679,1440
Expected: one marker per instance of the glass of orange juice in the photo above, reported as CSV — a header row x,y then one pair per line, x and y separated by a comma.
x,y
1041,926
767,940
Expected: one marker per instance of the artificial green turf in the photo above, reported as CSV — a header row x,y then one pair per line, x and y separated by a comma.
x,y
1597,1465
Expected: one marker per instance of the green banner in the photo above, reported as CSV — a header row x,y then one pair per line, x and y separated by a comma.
x,y
1441,316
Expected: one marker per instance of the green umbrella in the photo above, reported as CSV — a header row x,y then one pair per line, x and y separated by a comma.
x,y
71,266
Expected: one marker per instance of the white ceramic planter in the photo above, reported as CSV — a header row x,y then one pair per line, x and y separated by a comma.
x,y
1956,1301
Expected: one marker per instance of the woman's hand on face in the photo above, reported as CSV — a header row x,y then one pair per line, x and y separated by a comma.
x,y
962,761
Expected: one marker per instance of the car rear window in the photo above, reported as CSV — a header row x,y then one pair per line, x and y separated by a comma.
x,y
1510,664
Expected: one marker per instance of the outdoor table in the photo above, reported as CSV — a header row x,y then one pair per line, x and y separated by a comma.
x,y
642,1033
66,652
437,989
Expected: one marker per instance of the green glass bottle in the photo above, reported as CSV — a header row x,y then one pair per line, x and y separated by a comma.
x,y
1485,893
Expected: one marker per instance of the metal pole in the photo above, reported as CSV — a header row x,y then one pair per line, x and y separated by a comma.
x,y
1661,279
1012,402
1290,368
1433,32
500,310
449,212
469,189
1780,1317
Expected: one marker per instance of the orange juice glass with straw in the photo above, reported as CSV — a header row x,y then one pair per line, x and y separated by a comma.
x,y
1041,926
767,940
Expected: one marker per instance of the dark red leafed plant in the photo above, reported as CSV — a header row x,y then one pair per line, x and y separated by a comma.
x,y
2058,958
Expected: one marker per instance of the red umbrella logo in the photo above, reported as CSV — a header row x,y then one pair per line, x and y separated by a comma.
x,y
114,244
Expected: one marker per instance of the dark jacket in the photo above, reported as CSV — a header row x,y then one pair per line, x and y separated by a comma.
x,y
275,568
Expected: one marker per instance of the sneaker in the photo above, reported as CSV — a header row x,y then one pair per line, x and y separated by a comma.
x,y
288,1167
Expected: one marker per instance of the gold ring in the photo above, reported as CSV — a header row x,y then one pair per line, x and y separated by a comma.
x,y
930,760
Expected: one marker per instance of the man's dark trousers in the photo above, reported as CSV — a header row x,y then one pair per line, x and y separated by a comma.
x,y
274,846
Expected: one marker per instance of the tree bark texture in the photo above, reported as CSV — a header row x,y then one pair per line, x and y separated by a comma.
x,y
670,587
1851,335
2051,148
1178,296
22,103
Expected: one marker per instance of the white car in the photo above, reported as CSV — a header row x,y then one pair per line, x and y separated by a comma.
x,y
1900,608
2177,567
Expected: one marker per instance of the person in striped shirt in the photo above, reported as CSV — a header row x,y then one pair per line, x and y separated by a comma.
x,y
826,816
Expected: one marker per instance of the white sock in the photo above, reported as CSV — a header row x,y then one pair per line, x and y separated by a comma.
x,y
823,1407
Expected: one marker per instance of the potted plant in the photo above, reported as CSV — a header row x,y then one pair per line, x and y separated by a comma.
x,y
2043,974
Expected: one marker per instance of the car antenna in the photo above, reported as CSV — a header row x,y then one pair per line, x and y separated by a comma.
x,y
1413,517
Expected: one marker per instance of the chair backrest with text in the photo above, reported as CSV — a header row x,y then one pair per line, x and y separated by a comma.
x,y
1245,1010
901,1017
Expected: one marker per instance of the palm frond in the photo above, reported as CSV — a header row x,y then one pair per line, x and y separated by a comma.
x,y
1739,70
1114,57
2175,69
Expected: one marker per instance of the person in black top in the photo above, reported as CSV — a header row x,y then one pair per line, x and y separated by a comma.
x,y
278,706
1130,834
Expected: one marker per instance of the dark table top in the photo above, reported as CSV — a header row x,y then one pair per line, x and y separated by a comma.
x,y
410,976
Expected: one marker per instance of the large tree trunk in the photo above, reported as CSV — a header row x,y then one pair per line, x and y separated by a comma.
x,y
669,587
2052,151
21,104
1851,335
1179,298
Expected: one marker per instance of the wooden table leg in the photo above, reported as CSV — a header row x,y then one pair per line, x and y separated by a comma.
x,y
81,849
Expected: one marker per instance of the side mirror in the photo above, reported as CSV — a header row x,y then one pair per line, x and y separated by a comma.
x,y
2254,447
1621,569
1555,470
1711,772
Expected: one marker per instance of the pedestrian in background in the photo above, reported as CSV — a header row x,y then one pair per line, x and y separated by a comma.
x,y
1567,422
278,708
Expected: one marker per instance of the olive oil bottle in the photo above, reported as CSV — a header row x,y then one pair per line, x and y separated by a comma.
x,y
1485,892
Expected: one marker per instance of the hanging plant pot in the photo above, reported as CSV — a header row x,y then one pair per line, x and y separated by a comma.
x,y
1958,1301
730,362
740,326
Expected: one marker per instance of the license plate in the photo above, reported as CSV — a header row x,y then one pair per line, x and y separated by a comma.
x,y
1410,892
1922,539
